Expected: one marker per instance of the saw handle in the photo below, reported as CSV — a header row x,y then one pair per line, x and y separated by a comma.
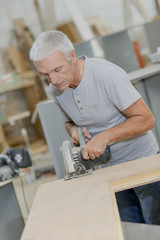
x,y
81,136
104,158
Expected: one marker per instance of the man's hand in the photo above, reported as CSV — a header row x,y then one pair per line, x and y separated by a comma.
x,y
95,147
75,138
72,131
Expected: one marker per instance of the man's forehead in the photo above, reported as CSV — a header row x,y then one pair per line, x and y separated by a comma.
x,y
53,59
57,53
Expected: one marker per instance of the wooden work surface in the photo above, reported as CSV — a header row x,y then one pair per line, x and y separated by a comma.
x,y
85,208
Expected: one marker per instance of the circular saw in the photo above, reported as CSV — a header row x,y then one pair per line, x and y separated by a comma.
x,y
75,165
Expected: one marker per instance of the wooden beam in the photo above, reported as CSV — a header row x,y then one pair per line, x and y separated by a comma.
x,y
49,15
3,142
127,13
71,31
99,26
86,208
19,26
157,2
142,10
16,56
39,14
136,180
82,26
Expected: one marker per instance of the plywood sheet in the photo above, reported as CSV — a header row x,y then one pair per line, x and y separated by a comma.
x,y
85,208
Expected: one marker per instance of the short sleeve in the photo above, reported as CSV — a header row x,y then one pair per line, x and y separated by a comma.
x,y
120,90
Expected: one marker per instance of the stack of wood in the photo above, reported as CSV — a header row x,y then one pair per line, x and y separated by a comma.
x,y
32,91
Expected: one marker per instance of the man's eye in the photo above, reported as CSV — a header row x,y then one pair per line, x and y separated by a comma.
x,y
46,75
57,69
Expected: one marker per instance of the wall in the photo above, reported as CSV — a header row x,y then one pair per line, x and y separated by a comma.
x,y
56,13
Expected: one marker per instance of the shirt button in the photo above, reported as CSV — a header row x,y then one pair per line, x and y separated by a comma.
x,y
81,108
78,101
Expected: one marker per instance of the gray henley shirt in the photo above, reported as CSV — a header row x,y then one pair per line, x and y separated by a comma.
x,y
97,103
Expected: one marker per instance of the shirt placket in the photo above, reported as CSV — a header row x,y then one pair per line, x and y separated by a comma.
x,y
78,101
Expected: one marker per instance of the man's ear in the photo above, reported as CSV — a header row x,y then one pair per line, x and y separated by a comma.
x,y
73,56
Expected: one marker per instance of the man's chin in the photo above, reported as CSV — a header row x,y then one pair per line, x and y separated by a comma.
x,y
62,88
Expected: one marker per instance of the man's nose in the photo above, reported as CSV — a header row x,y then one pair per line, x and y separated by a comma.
x,y
52,79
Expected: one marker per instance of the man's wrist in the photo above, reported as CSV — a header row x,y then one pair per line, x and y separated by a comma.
x,y
70,128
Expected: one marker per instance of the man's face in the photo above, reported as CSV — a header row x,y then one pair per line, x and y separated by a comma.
x,y
58,70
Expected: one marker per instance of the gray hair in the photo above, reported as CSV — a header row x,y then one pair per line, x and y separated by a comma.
x,y
48,42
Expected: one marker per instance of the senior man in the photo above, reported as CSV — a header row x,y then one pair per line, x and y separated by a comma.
x,y
98,96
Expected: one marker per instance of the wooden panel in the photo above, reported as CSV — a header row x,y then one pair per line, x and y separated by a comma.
x,y
3,142
71,31
19,26
99,26
23,33
39,14
85,208
141,8
17,59
32,97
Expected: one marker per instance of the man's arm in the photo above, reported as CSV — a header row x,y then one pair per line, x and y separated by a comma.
x,y
139,120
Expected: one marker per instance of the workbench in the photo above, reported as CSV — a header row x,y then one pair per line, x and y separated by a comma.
x,y
85,207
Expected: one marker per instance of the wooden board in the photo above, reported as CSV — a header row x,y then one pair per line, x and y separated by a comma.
x,y
19,26
24,36
99,26
39,14
16,56
85,208
141,8
3,142
71,31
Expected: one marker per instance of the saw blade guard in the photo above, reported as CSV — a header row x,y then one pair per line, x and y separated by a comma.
x,y
68,156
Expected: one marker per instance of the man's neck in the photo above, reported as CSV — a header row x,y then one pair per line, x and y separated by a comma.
x,y
78,74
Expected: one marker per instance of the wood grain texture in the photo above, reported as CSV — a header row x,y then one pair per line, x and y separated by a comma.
x,y
85,208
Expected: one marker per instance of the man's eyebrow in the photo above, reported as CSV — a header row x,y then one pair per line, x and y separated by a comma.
x,y
51,70
42,73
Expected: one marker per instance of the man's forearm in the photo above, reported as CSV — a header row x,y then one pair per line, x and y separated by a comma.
x,y
139,120
70,128
131,128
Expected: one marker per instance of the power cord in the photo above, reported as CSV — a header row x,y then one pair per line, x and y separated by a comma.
x,y
23,192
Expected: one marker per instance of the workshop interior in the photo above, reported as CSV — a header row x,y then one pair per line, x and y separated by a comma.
x,y
41,171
